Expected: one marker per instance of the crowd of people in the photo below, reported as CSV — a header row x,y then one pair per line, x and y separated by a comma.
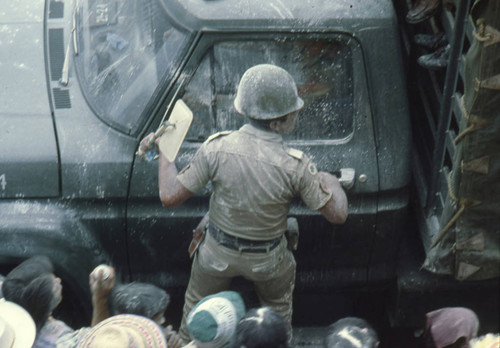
x,y
133,315
125,315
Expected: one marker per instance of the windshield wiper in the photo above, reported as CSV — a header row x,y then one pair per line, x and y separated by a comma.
x,y
65,69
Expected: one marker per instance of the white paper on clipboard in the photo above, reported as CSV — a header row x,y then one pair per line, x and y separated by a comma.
x,y
171,140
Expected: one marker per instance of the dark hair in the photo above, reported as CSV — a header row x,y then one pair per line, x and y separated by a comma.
x,y
38,299
31,285
261,328
343,332
142,299
266,124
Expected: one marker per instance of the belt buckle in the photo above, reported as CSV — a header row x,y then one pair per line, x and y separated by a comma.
x,y
218,235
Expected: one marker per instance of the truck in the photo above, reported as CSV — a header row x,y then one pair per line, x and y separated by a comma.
x,y
101,74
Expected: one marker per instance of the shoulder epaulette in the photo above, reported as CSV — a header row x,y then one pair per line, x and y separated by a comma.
x,y
295,153
218,134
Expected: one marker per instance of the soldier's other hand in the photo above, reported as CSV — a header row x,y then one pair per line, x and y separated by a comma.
x,y
147,143
328,181
335,210
102,281
173,338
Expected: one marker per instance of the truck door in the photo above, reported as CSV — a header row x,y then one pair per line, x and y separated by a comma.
x,y
334,129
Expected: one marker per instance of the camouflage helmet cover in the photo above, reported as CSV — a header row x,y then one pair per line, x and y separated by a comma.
x,y
267,92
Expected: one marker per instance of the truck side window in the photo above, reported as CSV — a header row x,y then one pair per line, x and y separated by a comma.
x,y
321,68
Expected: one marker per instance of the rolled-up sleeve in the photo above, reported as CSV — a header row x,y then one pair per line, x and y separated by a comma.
x,y
196,174
310,189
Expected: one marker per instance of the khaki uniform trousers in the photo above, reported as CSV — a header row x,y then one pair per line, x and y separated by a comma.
x,y
214,265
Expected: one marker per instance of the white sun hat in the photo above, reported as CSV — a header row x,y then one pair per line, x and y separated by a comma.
x,y
17,328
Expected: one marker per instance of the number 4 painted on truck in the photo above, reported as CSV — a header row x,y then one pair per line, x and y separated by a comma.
x,y
3,182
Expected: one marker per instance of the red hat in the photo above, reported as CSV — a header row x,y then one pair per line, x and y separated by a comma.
x,y
448,325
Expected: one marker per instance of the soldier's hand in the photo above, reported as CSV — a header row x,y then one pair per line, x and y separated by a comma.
x,y
335,209
328,181
147,143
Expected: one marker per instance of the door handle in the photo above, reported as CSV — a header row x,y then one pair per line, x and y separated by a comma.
x,y
347,177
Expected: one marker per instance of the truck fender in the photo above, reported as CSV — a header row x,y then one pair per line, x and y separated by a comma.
x,y
29,228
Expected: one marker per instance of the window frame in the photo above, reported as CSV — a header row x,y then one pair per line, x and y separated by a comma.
x,y
165,83
361,103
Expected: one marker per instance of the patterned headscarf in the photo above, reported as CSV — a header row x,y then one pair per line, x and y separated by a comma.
x,y
125,331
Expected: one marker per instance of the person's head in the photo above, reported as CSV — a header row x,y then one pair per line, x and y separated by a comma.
x,y
125,331
351,332
33,285
267,95
261,328
142,299
17,329
212,322
283,124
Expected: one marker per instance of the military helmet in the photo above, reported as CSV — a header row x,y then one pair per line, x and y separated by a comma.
x,y
267,92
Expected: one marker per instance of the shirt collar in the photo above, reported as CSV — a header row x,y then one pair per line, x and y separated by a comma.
x,y
261,134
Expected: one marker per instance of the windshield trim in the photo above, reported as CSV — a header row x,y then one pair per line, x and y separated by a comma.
x,y
171,76
361,101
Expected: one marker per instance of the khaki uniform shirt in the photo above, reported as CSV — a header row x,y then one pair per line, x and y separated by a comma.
x,y
254,178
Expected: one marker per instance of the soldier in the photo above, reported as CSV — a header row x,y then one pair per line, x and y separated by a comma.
x,y
254,177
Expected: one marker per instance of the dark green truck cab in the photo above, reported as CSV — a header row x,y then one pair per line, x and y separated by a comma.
x,y
85,80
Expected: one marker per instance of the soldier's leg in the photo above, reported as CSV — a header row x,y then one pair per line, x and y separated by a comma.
x,y
205,280
277,291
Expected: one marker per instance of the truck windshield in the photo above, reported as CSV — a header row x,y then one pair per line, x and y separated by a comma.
x,y
124,49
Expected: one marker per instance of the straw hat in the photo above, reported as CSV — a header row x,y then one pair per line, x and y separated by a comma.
x,y
17,329
487,341
124,331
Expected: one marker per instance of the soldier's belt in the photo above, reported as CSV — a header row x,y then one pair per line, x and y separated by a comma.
x,y
241,244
